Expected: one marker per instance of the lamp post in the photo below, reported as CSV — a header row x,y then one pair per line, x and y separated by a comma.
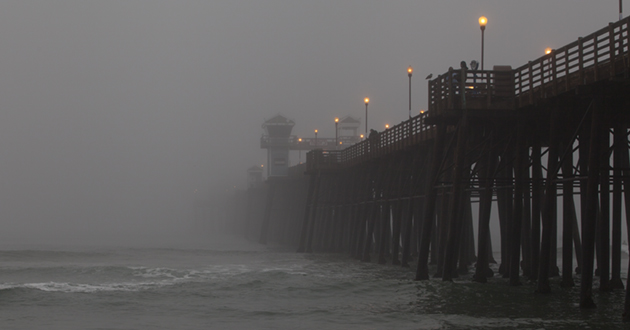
x,y
482,25
620,10
316,144
366,100
336,133
300,151
409,72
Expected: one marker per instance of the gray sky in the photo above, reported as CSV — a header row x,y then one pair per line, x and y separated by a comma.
x,y
112,112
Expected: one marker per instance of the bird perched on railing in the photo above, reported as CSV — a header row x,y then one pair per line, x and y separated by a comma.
x,y
429,76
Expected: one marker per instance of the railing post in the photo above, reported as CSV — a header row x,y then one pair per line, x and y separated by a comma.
x,y
554,75
566,70
450,87
621,50
542,76
462,87
595,57
520,88
488,88
611,47
531,82
581,59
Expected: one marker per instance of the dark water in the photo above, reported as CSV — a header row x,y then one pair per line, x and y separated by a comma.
x,y
255,288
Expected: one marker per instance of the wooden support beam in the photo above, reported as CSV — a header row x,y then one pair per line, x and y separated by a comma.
x,y
549,211
371,222
588,218
504,206
526,237
537,198
467,239
442,222
312,188
422,271
408,215
486,166
568,212
385,225
404,168
619,143
520,166
603,258
396,224
460,182
625,154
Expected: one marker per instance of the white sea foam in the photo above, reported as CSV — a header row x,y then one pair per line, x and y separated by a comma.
x,y
154,278
89,288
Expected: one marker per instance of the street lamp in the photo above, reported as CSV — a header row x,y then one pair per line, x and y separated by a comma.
x,y
366,100
336,132
386,126
409,72
482,24
316,144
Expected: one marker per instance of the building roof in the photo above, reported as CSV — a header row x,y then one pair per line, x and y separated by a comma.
x,y
254,169
350,120
278,120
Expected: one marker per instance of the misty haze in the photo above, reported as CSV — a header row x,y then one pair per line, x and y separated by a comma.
x,y
270,164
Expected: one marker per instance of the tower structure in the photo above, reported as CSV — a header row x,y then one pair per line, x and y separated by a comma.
x,y
277,140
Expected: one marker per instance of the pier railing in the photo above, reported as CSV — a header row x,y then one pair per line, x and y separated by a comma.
x,y
399,137
445,91
598,56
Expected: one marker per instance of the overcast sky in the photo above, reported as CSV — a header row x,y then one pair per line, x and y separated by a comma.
x,y
112,113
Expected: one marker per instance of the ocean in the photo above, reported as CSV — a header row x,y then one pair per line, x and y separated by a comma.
x,y
247,286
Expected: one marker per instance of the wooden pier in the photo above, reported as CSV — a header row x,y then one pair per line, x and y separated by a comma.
x,y
552,133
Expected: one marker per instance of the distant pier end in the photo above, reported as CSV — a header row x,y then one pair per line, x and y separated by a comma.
x,y
278,141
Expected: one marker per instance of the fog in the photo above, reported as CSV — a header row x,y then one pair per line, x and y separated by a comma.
x,y
113,113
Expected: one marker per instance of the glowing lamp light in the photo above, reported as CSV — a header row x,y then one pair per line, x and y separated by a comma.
x,y
315,131
410,70
386,126
482,22
361,136
421,111
367,100
336,120
548,51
